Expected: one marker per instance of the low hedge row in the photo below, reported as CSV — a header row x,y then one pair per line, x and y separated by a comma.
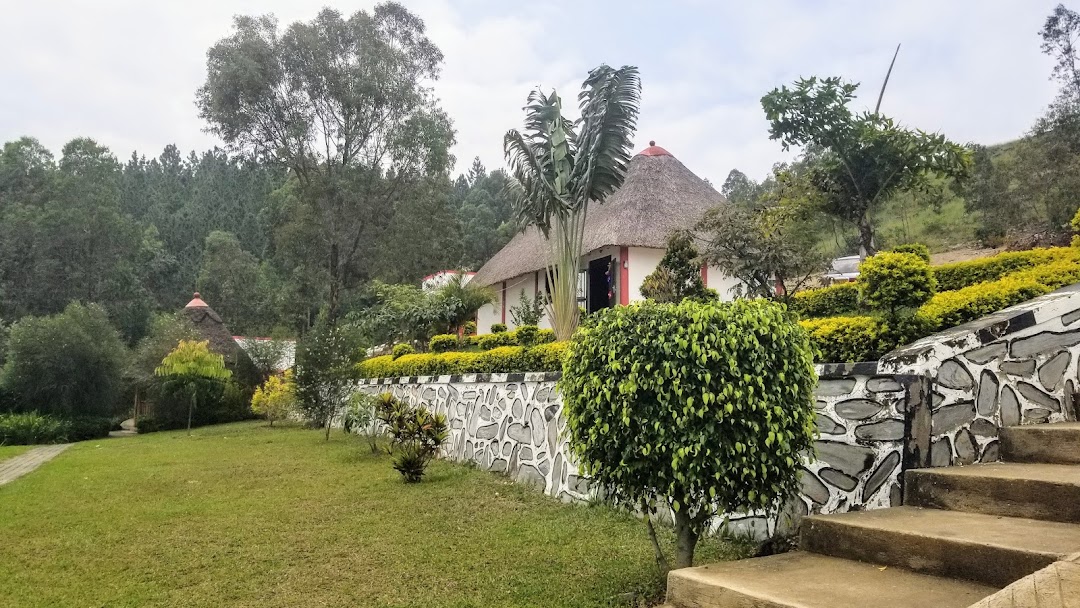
x,y
864,338
843,298
526,335
503,359
33,428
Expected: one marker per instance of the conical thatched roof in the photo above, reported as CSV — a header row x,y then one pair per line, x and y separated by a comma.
x,y
210,326
659,195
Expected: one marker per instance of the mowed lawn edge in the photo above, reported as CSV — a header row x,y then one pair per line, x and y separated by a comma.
x,y
11,451
247,515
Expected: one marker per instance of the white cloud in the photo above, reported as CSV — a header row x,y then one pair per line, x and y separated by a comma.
x,y
125,72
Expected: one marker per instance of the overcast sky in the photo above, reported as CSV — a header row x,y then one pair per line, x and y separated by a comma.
x,y
124,72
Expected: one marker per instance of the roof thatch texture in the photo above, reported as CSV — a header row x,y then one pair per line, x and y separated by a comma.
x,y
660,195
210,326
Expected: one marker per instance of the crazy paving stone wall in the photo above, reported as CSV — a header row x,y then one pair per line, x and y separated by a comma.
x,y
1017,366
513,424
509,423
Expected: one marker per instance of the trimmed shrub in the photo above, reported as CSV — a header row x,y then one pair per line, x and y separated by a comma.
x,y
470,328
444,343
545,336
504,359
952,308
32,428
835,300
84,428
915,248
526,335
709,408
959,275
845,339
402,349
498,328
496,340
70,364
894,281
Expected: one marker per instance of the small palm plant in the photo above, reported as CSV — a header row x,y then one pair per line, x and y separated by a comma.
x,y
561,167
192,364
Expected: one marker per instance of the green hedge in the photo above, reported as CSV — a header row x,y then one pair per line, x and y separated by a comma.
x,y
503,359
32,428
958,275
839,299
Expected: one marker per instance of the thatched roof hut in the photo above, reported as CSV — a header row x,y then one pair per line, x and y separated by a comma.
x,y
659,195
624,239
210,326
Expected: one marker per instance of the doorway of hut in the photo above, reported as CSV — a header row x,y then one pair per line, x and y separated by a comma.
x,y
600,290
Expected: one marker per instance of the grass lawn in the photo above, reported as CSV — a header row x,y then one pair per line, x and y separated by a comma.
x,y
245,515
10,451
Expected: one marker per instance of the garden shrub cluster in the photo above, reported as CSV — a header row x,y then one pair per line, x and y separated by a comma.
x,y
967,291
416,434
892,281
839,299
31,428
504,359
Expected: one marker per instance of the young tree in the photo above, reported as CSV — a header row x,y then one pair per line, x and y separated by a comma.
x,y
344,104
528,311
190,365
703,408
678,276
276,398
766,242
463,299
326,361
560,168
858,161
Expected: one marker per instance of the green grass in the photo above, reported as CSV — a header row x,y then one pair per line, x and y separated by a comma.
x,y
10,451
245,515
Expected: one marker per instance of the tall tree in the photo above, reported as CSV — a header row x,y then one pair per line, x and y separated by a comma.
x,y
343,104
859,160
562,167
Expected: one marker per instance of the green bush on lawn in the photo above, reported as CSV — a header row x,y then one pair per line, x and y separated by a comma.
x,y
32,428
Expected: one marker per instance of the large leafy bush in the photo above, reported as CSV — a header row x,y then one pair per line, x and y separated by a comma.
x,y
839,299
69,364
892,281
276,398
707,407
326,361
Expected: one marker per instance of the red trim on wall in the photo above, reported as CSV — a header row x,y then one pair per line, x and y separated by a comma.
x,y
705,274
624,275
503,303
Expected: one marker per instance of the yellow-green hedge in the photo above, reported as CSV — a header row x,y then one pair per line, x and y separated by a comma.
x,y
845,339
958,275
503,359
839,299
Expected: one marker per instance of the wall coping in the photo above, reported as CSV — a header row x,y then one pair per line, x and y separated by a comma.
x,y
464,378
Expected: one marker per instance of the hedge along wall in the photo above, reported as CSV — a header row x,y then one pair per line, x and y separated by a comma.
x,y
513,424
1016,366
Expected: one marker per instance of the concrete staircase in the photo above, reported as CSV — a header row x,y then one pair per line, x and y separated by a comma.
x,y
963,533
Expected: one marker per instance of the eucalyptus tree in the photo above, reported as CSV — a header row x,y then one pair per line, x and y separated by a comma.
x,y
562,166
344,103
858,160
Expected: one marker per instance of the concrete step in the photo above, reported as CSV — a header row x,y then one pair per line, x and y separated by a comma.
x,y
1048,492
982,548
1057,443
804,580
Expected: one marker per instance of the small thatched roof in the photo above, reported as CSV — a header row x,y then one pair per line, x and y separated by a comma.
x,y
210,326
660,195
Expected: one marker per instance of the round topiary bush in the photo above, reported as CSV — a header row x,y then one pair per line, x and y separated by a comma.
x,y
893,281
443,343
498,328
400,350
917,248
709,407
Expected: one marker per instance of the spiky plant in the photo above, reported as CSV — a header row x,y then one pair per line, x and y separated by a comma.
x,y
561,167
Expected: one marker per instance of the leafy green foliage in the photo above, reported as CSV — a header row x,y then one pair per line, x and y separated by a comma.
x,y
416,435
498,328
649,388
32,428
545,336
326,361
443,343
893,281
470,328
504,359
70,364
192,368
527,335
276,398
916,248
678,275
859,160
846,339
834,300
561,167
496,340
463,299
958,275
402,349
528,311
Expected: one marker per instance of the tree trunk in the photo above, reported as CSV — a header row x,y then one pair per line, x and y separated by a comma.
x,y
191,410
335,285
866,237
686,539
329,422
658,551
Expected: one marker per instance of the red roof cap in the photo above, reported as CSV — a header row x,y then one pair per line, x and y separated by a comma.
x,y
654,150
197,302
